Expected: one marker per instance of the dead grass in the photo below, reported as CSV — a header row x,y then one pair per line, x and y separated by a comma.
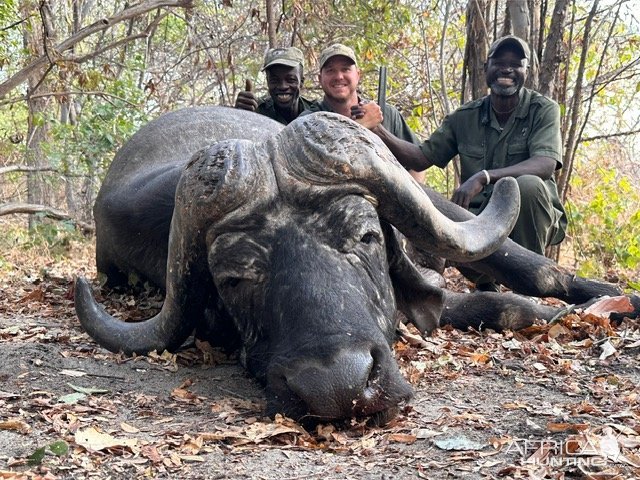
x,y
32,258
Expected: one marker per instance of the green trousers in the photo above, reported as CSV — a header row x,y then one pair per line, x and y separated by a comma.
x,y
538,223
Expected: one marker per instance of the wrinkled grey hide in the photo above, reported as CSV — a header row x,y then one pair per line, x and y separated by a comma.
x,y
288,238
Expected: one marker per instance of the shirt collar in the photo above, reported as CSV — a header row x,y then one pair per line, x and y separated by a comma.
x,y
485,109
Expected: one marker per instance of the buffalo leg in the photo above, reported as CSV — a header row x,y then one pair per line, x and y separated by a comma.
x,y
524,271
497,311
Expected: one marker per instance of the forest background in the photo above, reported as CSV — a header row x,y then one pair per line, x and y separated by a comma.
x,y
79,77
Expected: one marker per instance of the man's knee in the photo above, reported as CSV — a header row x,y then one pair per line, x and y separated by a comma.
x,y
531,186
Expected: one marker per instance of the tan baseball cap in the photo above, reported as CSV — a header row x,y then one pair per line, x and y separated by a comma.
x,y
335,50
511,41
291,57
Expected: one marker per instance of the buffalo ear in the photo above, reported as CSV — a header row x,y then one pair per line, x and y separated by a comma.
x,y
420,301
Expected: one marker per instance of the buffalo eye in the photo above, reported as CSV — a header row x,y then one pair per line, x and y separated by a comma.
x,y
232,282
369,238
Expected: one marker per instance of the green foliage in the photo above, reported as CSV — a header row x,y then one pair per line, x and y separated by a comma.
x,y
606,227
58,449
88,146
11,39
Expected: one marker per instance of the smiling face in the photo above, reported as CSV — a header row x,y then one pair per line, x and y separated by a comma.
x,y
284,84
506,72
339,79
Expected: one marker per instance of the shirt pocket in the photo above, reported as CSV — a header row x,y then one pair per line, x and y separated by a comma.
x,y
516,153
471,159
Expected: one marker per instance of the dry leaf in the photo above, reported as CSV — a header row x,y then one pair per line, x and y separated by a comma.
x,y
607,350
482,358
93,440
151,452
129,428
607,305
402,438
566,427
15,424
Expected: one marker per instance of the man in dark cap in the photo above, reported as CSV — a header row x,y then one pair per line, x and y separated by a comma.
x,y
339,78
284,69
512,132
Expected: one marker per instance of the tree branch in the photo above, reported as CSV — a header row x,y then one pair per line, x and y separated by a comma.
x,y
99,26
609,135
25,168
64,94
49,212
43,168
89,56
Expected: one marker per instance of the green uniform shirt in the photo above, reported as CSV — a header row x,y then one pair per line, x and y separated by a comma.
x,y
393,121
266,108
473,132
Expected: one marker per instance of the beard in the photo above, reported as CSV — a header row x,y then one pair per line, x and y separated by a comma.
x,y
504,91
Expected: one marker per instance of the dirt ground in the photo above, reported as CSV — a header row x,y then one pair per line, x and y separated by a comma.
x,y
558,401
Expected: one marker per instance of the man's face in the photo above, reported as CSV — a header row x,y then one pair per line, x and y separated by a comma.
x,y
283,83
506,72
339,78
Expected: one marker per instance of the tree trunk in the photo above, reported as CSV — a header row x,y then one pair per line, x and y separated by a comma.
x,y
519,14
576,101
271,23
478,12
552,57
38,36
521,25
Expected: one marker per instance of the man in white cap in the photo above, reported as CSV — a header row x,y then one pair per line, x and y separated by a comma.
x,y
339,78
284,69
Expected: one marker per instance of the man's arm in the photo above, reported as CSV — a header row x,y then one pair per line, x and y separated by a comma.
x,y
540,166
369,115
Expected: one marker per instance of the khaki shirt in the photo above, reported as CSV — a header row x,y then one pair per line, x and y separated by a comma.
x,y
393,121
266,108
473,132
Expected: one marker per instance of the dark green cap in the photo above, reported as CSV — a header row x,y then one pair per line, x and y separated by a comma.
x,y
512,41
291,57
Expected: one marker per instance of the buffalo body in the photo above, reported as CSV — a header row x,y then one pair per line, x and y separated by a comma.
x,y
291,239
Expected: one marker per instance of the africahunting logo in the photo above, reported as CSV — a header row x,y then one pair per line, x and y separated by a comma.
x,y
575,451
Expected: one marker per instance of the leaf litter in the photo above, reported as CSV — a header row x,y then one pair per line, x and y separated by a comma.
x,y
551,401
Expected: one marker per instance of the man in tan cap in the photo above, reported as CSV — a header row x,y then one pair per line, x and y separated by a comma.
x,y
339,78
284,69
512,132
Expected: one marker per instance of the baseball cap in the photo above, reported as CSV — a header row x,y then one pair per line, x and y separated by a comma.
x,y
335,50
291,57
511,41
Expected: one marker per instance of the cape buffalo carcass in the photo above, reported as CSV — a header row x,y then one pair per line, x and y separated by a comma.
x,y
288,237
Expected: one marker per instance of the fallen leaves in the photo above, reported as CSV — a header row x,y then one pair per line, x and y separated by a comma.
x,y
569,391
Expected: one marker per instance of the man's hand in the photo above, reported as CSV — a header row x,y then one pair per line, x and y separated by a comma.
x,y
469,189
367,114
246,100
